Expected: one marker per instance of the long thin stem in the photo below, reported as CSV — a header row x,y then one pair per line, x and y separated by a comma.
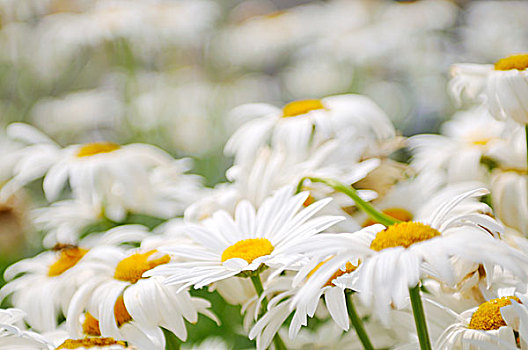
x,y
368,208
257,283
419,318
171,342
526,133
357,323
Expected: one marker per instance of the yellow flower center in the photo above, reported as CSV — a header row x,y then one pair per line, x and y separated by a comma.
x,y
120,312
310,200
488,316
68,258
90,325
131,269
403,234
89,343
248,249
349,267
397,213
91,149
519,62
296,108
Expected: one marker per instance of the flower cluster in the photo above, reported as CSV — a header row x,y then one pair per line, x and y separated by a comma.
x,y
331,228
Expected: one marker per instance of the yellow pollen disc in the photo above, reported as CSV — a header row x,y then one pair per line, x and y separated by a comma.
x,y
132,268
68,258
90,325
91,149
397,213
488,316
519,62
248,249
295,108
89,343
349,267
403,234
120,311
310,200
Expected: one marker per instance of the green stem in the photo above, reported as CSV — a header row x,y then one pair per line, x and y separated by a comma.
x,y
257,283
171,342
419,318
368,208
526,133
357,323
279,344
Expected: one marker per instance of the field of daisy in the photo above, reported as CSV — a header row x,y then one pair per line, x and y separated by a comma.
x,y
263,174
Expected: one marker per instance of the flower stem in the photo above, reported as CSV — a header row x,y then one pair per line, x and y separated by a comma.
x,y
357,323
171,342
526,133
257,283
419,318
368,208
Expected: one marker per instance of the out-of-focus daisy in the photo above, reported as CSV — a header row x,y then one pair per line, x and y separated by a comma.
x,y
504,84
57,275
272,169
120,303
401,254
14,336
465,140
63,221
494,324
121,178
226,246
509,189
302,124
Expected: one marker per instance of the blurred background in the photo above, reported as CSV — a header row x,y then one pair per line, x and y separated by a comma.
x,y
167,72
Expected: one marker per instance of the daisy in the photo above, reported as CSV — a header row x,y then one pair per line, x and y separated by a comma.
x,y
273,169
395,258
504,85
57,275
226,246
465,140
14,336
303,124
280,308
120,303
494,324
509,189
120,177
64,221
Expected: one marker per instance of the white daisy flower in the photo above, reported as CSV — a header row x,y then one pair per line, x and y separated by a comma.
x,y
504,86
280,306
302,124
44,285
226,246
491,325
273,169
122,178
120,303
465,139
510,201
14,336
398,256
63,221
